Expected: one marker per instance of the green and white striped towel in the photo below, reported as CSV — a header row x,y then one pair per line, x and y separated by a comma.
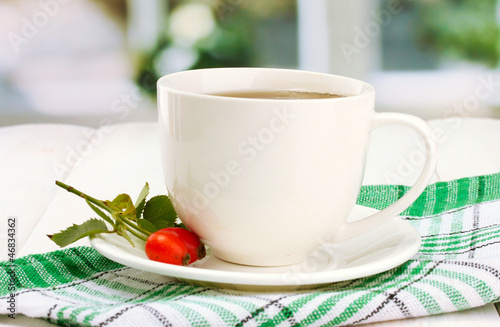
x,y
457,267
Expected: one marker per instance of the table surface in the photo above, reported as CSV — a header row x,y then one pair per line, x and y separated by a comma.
x,y
121,158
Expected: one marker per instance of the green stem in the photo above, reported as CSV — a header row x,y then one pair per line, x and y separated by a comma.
x,y
101,214
131,224
115,214
95,201
125,221
142,237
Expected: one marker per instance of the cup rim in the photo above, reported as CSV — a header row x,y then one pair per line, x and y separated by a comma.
x,y
367,88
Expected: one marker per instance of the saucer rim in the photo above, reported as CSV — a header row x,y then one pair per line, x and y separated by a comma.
x,y
196,275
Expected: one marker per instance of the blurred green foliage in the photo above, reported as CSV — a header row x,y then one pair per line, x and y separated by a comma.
x,y
461,29
229,44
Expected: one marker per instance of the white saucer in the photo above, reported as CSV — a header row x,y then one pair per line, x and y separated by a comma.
x,y
384,248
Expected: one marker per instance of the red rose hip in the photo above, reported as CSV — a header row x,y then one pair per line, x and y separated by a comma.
x,y
167,247
195,247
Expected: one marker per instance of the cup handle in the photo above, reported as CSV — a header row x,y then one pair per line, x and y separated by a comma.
x,y
352,229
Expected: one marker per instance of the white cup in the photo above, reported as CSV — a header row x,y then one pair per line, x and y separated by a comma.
x,y
265,181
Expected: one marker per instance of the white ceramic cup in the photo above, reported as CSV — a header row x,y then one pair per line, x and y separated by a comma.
x,y
265,181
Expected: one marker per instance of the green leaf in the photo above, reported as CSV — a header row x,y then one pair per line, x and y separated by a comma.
x,y
143,223
122,230
124,204
76,232
181,225
139,209
100,213
142,195
141,201
160,212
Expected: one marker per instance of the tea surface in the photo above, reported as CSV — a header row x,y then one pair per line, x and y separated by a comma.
x,y
285,95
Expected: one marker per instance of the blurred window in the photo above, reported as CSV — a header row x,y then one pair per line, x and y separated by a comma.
x,y
424,57
60,58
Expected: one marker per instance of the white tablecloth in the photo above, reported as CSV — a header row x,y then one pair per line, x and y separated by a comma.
x,y
121,158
